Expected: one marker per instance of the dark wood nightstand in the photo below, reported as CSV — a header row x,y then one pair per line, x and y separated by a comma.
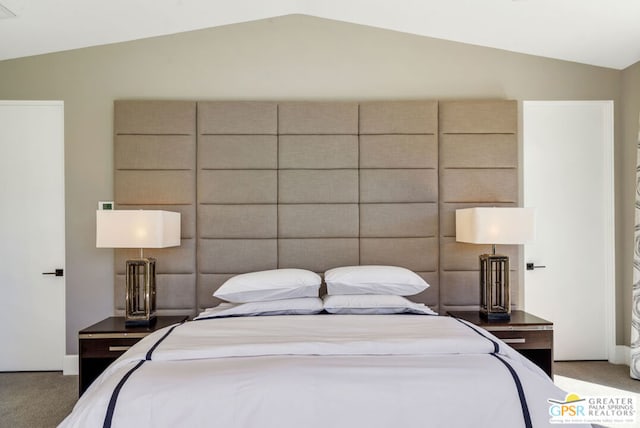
x,y
102,343
526,333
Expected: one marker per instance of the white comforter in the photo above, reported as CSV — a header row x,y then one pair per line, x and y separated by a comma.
x,y
319,371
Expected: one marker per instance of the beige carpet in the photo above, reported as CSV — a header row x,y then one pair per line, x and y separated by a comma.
x,y
597,378
36,399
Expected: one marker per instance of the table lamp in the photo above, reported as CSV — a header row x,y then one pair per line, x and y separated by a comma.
x,y
496,225
138,229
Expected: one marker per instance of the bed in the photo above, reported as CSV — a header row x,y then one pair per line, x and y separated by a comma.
x,y
277,355
266,185
318,371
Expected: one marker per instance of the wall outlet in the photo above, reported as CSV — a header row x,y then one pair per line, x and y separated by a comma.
x,y
105,205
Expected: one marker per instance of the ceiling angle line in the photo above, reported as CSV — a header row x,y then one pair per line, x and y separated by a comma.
x,y
6,13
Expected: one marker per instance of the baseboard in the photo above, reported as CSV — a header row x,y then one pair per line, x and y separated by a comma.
x,y
621,355
70,365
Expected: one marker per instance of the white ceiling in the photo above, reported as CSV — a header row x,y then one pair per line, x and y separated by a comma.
x,y
598,32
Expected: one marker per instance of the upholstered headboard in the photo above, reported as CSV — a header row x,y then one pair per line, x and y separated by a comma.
x,y
314,185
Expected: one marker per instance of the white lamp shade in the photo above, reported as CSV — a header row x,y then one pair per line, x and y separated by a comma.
x,y
137,229
495,225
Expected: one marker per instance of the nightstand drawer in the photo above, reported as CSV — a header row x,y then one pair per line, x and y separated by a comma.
x,y
102,343
526,339
106,348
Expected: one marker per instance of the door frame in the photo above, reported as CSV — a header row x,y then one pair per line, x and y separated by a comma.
x,y
615,354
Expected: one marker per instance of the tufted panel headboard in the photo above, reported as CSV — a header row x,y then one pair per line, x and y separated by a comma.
x,y
314,185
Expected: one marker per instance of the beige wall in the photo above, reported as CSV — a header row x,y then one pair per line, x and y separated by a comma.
x,y
289,58
626,193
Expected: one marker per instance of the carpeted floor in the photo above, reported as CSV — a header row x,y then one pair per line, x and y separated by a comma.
x,y
44,399
36,399
598,372
597,378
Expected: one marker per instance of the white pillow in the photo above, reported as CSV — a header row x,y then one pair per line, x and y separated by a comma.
x,y
301,306
374,280
270,285
372,304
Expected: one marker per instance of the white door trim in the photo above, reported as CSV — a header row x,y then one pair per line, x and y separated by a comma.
x,y
609,238
609,215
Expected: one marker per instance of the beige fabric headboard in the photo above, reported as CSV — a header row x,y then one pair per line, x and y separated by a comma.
x,y
478,167
155,168
314,185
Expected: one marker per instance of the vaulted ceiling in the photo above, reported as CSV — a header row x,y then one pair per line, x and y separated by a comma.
x,y
598,32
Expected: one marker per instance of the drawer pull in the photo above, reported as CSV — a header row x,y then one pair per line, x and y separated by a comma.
x,y
515,340
119,348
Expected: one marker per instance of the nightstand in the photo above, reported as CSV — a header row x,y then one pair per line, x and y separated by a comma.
x,y
102,343
526,333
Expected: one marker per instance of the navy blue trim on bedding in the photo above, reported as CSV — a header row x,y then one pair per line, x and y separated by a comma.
x,y
523,399
155,345
516,379
114,396
108,419
496,346
323,312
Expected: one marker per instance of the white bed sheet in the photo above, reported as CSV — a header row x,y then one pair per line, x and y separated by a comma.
x,y
319,371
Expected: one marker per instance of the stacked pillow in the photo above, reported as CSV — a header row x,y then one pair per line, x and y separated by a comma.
x,y
350,290
269,285
373,290
270,292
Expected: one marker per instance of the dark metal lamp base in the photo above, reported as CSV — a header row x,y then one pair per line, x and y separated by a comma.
x,y
140,322
495,316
